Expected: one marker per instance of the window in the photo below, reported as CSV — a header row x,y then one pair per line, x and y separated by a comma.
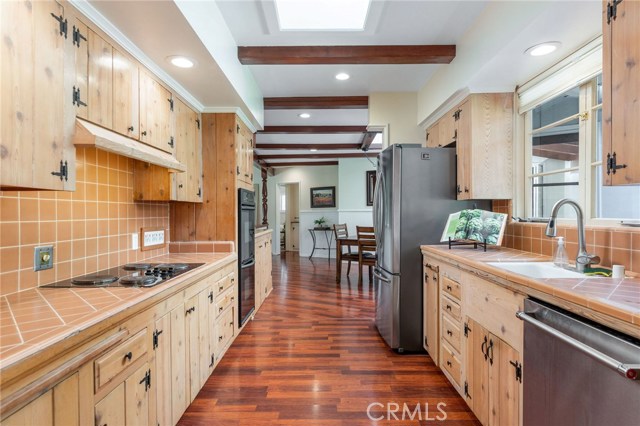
x,y
283,201
561,112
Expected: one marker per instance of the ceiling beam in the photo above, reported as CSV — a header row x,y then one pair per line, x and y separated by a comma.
x,y
320,55
314,155
318,102
319,147
305,163
314,129
367,139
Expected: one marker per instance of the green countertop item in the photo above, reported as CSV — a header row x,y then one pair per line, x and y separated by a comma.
x,y
598,271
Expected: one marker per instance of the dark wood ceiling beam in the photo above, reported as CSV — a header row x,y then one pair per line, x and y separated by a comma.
x,y
314,129
305,163
318,102
320,55
314,155
367,139
319,147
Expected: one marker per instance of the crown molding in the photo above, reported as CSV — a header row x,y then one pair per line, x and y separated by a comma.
x,y
84,7
446,106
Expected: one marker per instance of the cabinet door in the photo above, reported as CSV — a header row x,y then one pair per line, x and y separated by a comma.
x,y
504,383
463,150
137,397
211,325
179,398
431,303
196,313
203,337
447,131
32,67
111,409
187,185
269,265
37,412
240,142
477,370
155,113
621,89
163,373
100,82
249,158
433,136
81,68
126,108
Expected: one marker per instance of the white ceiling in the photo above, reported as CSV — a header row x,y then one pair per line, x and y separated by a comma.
x,y
326,117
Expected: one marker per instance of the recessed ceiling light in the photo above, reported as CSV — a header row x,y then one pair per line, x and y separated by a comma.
x,y
322,15
304,115
313,149
543,48
181,61
342,76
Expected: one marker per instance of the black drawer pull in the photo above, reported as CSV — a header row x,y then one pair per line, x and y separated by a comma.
x,y
220,338
130,128
449,288
191,309
128,356
449,332
143,133
449,307
221,288
449,364
220,308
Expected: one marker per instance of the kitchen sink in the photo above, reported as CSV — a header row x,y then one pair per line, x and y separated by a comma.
x,y
537,269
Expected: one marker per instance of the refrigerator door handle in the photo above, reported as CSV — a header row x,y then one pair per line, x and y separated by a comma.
x,y
376,273
377,220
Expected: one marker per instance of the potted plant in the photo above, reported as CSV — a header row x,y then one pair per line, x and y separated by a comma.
x,y
321,223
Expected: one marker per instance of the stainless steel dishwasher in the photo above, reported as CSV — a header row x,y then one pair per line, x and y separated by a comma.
x,y
576,372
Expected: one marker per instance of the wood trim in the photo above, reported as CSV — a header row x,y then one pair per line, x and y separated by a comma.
x,y
318,102
12,403
381,54
314,129
314,155
320,147
304,163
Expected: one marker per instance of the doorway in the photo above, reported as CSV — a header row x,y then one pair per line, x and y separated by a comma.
x,y
288,216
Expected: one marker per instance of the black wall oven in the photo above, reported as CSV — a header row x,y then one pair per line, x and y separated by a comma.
x,y
246,254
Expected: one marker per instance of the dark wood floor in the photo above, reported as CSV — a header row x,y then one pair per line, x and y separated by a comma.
x,y
312,356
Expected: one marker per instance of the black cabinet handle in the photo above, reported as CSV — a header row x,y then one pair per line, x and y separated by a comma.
x,y
458,190
143,133
130,128
449,307
449,364
191,309
210,297
128,356
449,333
449,288
220,338
466,189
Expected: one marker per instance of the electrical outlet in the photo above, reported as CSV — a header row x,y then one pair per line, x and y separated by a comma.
x,y
43,258
152,238
134,241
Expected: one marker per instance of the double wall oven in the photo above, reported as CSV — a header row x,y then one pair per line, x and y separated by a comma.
x,y
246,253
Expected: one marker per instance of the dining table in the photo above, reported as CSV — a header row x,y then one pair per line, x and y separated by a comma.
x,y
340,243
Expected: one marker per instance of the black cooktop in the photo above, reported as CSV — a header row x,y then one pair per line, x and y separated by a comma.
x,y
129,275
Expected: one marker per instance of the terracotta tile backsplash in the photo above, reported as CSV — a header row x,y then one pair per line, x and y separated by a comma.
x,y
615,246
89,228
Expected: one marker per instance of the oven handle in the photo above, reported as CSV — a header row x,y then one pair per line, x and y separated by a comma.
x,y
630,371
248,262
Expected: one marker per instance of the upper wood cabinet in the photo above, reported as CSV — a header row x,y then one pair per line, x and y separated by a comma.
x,y
80,88
187,186
621,92
100,81
244,155
35,147
432,139
156,104
126,104
484,135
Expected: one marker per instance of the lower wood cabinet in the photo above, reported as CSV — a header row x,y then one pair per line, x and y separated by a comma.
x,y
431,294
128,403
263,268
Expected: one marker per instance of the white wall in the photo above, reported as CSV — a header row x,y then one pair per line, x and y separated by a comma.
x,y
398,111
353,186
308,177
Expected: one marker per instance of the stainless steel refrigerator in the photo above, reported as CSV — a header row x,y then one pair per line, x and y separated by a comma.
x,y
415,192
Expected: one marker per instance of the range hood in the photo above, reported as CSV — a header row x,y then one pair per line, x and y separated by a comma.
x,y
89,134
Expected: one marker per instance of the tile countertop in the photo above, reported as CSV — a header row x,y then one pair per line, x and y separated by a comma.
x,y
34,320
614,297
261,232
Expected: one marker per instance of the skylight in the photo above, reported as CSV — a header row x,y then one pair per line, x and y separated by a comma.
x,y
322,15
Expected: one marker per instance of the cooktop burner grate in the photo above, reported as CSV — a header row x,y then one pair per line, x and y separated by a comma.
x,y
94,279
139,280
136,266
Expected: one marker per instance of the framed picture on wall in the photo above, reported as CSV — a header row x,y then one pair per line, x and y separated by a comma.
x,y
371,186
324,196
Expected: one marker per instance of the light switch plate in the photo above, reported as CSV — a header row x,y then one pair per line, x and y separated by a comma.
x,y
43,258
135,243
152,238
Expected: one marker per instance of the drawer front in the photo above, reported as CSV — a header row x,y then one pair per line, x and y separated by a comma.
x,y
450,307
224,301
450,331
224,284
451,287
224,330
450,364
119,358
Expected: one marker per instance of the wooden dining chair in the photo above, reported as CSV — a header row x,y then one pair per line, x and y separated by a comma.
x,y
341,232
367,250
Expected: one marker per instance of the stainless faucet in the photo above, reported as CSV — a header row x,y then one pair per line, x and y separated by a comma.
x,y
584,259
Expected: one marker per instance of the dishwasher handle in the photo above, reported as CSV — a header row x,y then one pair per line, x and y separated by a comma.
x,y
630,371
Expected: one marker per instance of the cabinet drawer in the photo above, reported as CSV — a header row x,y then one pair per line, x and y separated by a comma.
x,y
450,307
450,364
451,287
224,330
450,331
119,358
224,284
224,301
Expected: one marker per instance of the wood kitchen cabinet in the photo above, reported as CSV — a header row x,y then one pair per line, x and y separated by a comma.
x,y
128,403
432,139
187,186
197,339
156,104
494,375
126,96
263,268
431,296
226,325
484,133
100,81
621,91
36,145
244,155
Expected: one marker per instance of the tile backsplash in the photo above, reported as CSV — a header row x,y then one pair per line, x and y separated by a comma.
x,y
90,228
615,245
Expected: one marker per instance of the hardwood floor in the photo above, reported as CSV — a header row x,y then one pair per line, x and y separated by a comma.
x,y
312,356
